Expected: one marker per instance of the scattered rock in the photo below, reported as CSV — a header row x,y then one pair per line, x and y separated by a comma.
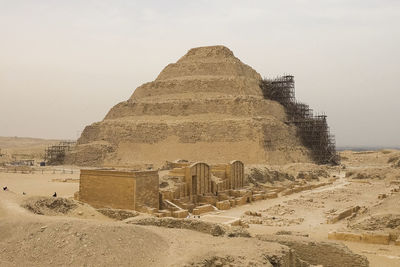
x,y
49,205
118,214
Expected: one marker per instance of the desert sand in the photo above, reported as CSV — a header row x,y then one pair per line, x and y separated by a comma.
x,y
291,230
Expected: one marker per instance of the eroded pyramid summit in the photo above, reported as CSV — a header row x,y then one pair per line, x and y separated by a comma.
x,y
208,106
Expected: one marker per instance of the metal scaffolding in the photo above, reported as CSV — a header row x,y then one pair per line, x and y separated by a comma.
x,y
54,155
312,129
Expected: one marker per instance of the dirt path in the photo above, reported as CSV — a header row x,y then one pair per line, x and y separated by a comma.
x,y
312,207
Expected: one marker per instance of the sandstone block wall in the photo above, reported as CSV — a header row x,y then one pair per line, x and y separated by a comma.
x,y
147,187
119,189
202,209
223,205
368,237
180,214
107,189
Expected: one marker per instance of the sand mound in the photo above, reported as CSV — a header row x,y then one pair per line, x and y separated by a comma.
x,y
214,229
395,161
246,252
49,206
208,106
234,260
118,214
318,253
374,173
78,243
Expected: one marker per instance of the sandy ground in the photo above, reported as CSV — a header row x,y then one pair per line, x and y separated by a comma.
x,y
87,238
38,184
20,148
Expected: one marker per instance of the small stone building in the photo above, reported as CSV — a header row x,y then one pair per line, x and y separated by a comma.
x,y
134,190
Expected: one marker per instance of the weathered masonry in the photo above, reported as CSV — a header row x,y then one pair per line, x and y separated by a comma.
x,y
200,179
134,190
228,176
200,186
193,187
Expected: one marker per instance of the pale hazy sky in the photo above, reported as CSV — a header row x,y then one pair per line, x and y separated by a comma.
x,y
64,64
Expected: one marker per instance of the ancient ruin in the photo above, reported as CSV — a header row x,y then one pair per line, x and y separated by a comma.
x,y
132,190
196,188
208,106
198,185
206,161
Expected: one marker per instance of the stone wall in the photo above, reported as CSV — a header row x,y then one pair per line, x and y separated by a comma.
x,y
119,189
147,187
108,189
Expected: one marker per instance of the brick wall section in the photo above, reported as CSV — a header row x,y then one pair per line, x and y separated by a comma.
x,y
147,187
107,189
119,189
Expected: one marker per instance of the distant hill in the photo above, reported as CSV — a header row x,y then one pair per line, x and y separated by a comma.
x,y
24,147
365,148
23,142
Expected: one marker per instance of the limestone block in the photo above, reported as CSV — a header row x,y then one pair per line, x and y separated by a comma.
x,y
167,195
344,236
223,205
341,215
271,195
258,197
180,213
223,196
202,209
371,238
240,200
166,213
207,199
374,238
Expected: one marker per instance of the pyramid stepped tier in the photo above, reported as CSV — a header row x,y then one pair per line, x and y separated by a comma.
x,y
232,106
206,86
206,107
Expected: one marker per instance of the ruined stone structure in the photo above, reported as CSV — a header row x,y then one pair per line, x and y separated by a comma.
x,y
134,190
199,179
195,187
199,186
208,106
